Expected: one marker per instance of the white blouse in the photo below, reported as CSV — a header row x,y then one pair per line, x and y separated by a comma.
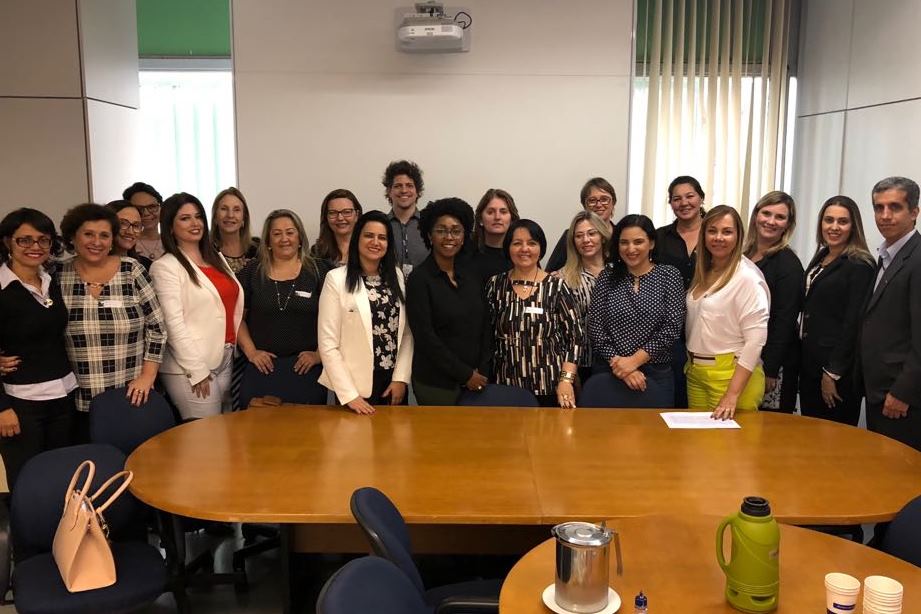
x,y
732,320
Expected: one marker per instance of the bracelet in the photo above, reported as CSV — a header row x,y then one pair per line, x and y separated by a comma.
x,y
567,376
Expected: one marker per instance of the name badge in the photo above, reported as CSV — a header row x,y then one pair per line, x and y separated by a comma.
x,y
111,303
303,293
407,269
537,311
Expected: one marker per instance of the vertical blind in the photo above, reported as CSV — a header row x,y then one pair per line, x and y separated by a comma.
x,y
712,76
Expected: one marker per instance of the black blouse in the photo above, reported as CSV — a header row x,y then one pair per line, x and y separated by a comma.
x,y
385,321
785,278
489,261
671,249
282,315
450,325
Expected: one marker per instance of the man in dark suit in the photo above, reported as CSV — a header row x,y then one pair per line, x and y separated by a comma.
x,y
890,337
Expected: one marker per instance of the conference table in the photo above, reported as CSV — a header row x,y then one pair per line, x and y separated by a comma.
x,y
672,559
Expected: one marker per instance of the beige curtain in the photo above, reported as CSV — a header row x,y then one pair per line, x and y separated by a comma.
x,y
717,97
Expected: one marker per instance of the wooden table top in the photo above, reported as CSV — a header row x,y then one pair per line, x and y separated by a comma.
x,y
673,561
474,465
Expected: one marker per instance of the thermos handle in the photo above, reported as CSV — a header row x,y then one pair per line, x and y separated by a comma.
x,y
620,560
719,543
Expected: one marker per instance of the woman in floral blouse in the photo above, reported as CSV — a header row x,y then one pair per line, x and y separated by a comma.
x,y
363,338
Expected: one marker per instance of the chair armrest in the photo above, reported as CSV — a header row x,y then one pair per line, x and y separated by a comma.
x,y
5,552
468,605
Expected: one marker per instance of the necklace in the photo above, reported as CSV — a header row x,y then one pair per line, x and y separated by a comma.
x,y
529,284
94,284
282,307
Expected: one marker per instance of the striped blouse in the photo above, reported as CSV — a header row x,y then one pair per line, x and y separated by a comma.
x,y
582,295
109,338
534,336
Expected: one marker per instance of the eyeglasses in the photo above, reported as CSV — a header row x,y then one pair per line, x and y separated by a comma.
x,y
454,233
603,201
345,214
125,225
151,209
27,242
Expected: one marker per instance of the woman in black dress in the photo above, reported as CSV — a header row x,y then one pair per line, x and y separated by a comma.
x,y
837,282
492,217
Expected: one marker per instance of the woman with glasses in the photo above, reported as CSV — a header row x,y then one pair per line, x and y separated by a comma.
x,y
493,216
37,398
587,249
278,335
338,214
447,313
230,223
597,196
130,228
147,201
115,331
202,303
363,337
535,322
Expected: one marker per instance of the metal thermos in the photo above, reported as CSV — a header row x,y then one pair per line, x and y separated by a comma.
x,y
582,565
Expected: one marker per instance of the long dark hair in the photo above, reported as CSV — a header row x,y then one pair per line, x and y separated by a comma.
x,y
115,206
631,221
325,246
168,211
388,264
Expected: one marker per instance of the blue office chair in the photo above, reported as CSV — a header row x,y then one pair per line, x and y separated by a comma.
x,y
283,383
115,421
903,538
370,584
498,395
37,504
605,390
386,531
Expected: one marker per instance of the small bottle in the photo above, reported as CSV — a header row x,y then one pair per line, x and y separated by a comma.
x,y
640,604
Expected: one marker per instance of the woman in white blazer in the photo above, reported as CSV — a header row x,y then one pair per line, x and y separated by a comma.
x,y
202,303
363,338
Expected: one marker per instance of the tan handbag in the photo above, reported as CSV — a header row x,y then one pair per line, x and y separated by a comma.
x,y
81,542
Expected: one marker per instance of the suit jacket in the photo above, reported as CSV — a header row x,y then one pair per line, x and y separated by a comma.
x,y
831,314
346,343
783,273
195,319
890,337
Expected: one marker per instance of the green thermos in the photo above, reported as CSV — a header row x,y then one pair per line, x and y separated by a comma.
x,y
753,571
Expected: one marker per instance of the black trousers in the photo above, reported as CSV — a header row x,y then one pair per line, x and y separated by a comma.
x,y
43,425
845,411
379,383
907,429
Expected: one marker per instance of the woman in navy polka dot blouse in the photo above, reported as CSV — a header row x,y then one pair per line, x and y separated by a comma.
x,y
636,314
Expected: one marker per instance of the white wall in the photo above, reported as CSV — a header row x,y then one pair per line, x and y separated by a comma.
x,y
324,100
859,111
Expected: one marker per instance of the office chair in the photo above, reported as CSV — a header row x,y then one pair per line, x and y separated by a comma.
x,y
903,538
383,525
284,384
116,422
37,504
605,390
498,395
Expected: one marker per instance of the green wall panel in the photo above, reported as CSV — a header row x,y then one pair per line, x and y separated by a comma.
x,y
184,28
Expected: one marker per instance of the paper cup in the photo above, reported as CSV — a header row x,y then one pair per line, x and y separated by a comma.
x,y
841,591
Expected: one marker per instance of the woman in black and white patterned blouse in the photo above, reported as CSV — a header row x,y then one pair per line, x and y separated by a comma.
x,y
362,334
637,313
536,322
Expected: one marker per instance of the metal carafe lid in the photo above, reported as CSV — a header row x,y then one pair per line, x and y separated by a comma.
x,y
582,534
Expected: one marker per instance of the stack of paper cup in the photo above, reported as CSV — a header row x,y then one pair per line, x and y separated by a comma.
x,y
841,592
882,595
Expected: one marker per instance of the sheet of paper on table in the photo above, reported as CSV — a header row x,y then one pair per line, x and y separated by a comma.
x,y
696,420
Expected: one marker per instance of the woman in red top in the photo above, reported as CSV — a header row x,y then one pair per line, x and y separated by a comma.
x,y
202,303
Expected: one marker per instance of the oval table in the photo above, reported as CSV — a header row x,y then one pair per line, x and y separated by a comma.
x,y
510,466
673,560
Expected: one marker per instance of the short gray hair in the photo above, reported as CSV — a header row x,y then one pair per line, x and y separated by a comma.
x,y
899,183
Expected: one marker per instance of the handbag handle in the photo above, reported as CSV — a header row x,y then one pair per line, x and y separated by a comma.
x,y
91,466
127,475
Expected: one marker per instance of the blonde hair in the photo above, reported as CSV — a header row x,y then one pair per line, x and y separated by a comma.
x,y
572,270
705,259
264,253
246,237
751,239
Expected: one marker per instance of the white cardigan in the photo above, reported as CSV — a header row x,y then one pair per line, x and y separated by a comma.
x,y
345,341
195,320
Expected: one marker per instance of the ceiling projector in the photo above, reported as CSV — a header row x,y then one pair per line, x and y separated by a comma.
x,y
431,30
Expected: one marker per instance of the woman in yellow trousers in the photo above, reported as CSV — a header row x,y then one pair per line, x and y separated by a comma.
x,y
728,310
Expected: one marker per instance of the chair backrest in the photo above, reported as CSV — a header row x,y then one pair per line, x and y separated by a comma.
x,y
498,395
115,421
38,499
605,390
903,538
370,584
383,525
